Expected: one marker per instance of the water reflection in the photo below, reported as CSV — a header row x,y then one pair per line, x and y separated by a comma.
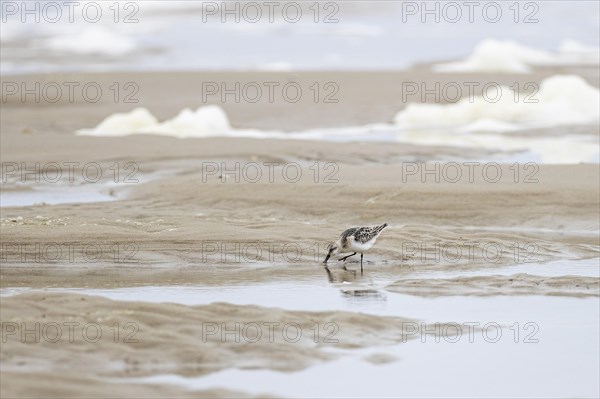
x,y
341,276
354,287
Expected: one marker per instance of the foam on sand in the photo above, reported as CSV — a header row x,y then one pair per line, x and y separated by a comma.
x,y
480,124
506,56
497,56
122,124
204,122
561,99
579,52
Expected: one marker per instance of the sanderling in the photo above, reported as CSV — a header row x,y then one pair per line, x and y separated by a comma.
x,y
355,239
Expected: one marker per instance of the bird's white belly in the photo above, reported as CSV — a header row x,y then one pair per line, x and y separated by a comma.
x,y
355,246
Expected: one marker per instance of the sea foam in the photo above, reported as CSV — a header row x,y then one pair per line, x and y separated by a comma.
x,y
500,126
122,124
561,100
506,56
206,121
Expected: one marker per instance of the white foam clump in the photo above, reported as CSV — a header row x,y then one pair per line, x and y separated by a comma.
x,y
498,56
562,99
204,122
122,124
574,52
95,40
506,56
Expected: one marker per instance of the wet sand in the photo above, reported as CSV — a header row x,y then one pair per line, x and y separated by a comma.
x,y
518,284
199,229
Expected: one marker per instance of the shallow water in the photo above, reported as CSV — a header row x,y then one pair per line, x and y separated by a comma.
x,y
321,290
15,193
56,195
538,337
461,369
562,336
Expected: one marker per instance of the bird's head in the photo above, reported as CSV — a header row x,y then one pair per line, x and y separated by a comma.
x,y
333,248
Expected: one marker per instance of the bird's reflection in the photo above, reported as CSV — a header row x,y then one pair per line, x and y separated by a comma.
x,y
341,275
356,293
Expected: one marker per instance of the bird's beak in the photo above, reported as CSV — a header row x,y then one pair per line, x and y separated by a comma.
x,y
327,257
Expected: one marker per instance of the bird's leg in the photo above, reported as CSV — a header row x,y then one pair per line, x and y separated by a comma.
x,y
361,258
346,257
